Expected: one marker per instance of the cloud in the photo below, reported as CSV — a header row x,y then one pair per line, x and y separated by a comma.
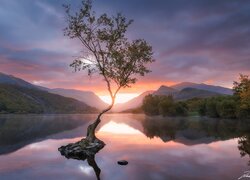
x,y
197,41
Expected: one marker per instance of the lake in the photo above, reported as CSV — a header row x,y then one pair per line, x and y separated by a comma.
x,y
155,147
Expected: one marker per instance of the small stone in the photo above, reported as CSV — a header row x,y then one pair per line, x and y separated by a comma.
x,y
122,162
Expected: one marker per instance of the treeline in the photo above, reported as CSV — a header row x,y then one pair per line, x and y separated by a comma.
x,y
163,105
235,106
215,107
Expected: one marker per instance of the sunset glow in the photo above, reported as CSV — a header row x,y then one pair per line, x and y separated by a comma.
x,y
118,128
117,90
188,53
120,98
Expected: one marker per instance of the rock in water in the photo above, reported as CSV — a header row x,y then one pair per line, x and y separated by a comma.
x,y
81,149
122,162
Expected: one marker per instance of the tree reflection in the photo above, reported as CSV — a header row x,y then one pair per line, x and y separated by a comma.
x,y
173,128
91,161
164,129
244,146
190,131
83,150
93,164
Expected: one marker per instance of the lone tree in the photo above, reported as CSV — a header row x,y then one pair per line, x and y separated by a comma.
x,y
107,51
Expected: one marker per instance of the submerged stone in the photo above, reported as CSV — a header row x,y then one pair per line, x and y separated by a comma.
x,y
122,162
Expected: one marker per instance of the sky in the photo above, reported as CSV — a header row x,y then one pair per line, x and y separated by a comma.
x,y
201,41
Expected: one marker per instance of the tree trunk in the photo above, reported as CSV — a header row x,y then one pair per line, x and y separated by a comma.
x,y
91,130
92,127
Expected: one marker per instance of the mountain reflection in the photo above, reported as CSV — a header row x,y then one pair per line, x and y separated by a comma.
x,y
195,130
198,131
17,131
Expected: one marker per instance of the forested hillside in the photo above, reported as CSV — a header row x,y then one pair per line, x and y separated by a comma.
x,y
17,99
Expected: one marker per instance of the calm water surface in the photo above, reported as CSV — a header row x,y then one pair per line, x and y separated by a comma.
x,y
156,148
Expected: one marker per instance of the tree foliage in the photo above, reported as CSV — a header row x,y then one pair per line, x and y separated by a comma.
x,y
224,106
151,105
219,107
166,105
242,92
236,106
163,105
107,50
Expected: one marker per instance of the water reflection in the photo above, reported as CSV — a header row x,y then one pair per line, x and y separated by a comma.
x,y
16,131
156,148
244,146
93,164
118,128
194,131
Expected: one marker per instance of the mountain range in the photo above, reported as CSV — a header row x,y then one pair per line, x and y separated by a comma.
x,y
181,91
202,86
23,130
12,80
84,99
19,96
91,102
87,97
18,99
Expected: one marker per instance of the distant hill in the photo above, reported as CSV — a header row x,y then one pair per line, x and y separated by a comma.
x,y
189,93
134,103
217,89
165,90
180,91
9,79
87,97
18,99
